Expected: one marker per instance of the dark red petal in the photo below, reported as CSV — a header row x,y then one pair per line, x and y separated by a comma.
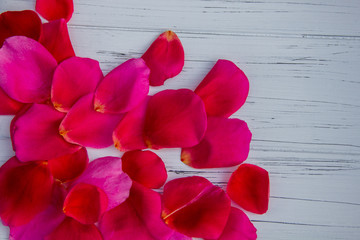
x,y
145,167
26,70
123,88
8,105
174,118
195,207
55,9
25,190
226,143
55,37
85,203
19,23
165,58
128,135
138,218
36,136
70,229
224,89
249,187
70,166
82,74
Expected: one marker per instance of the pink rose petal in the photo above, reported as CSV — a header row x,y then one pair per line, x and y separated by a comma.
x,y
55,9
8,105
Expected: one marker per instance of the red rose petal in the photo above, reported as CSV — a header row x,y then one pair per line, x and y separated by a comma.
x,y
71,229
165,58
145,167
123,88
138,218
36,136
26,70
195,207
226,143
19,23
174,118
8,105
55,9
82,74
55,37
87,127
70,166
85,203
25,190
224,89
249,187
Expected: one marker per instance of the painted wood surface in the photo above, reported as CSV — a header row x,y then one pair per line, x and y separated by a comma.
x,y
302,58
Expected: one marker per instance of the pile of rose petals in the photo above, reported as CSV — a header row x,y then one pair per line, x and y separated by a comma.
x,y
63,104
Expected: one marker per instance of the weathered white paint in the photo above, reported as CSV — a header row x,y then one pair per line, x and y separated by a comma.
x,y
303,61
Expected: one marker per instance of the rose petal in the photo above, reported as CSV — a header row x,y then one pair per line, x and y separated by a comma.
x,y
87,127
145,167
8,105
71,229
36,135
179,236
226,143
55,9
128,135
13,127
55,37
70,166
174,118
106,173
123,88
137,218
19,23
165,58
25,190
195,207
224,89
26,70
82,74
249,187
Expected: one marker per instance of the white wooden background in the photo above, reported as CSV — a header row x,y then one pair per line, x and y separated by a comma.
x,y
302,58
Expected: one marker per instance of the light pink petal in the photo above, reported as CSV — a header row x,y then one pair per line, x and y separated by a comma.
x,y
36,136
138,218
123,88
87,127
224,89
26,70
8,105
55,9
174,118
106,173
226,143
74,78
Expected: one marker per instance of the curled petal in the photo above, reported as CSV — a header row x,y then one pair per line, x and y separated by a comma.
x,y
224,89
8,105
55,37
249,187
55,9
145,167
82,74
195,207
87,127
165,58
226,143
174,118
106,173
26,70
123,88
36,136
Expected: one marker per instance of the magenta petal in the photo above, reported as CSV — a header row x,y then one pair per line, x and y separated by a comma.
x,y
36,136
226,143
224,89
87,127
26,70
138,218
8,105
179,236
174,118
106,173
123,88
74,78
